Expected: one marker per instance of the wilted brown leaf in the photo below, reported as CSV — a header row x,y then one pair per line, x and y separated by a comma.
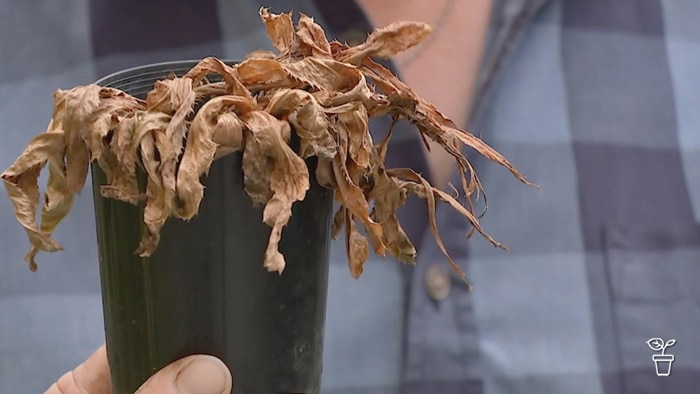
x,y
355,124
325,93
289,178
303,112
338,222
216,127
387,42
150,137
264,74
428,194
120,163
21,183
352,196
174,98
356,245
212,65
311,35
388,196
324,74
324,173
73,112
114,106
280,29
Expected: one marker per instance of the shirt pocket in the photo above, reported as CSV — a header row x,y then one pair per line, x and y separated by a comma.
x,y
653,279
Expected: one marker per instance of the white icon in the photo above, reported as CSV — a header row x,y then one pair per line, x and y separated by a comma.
x,y
663,361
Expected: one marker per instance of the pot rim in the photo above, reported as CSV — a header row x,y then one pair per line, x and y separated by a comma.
x,y
145,70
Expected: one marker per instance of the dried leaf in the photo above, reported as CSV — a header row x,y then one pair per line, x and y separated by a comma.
x,y
430,121
338,222
289,178
120,163
72,113
261,74
309,121
280,29
173,97
353,197
388,196
257,170
23,190
388,41
428,194
311,35
212,65
324,74
356,123
163,131
360,94
356,245
114,106
324,173
323,92
150,137
216,127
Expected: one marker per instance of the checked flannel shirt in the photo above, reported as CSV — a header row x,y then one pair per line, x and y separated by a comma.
x,y
595,100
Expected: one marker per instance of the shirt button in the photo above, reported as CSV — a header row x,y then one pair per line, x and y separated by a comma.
x,y
437,282
353,37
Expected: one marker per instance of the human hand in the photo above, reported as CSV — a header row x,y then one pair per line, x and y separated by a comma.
x,y
194,374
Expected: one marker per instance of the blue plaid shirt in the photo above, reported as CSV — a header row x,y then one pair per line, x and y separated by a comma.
x,y
595,100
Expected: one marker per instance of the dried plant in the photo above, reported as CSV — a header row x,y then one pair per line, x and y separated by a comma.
x,y
324,92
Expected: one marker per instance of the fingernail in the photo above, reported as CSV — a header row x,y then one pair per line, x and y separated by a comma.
x,y
203,375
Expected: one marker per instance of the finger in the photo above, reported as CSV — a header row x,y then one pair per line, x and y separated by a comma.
x,y
198,374
91,377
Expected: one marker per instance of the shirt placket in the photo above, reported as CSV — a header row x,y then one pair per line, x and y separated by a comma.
x,y
438,301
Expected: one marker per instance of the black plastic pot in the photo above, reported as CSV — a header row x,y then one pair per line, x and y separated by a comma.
x,y
205,290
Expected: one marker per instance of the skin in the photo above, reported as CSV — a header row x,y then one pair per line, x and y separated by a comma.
x,y
194,374
461,40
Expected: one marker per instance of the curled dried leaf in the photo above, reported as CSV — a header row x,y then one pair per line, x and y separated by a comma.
x,y
388,197
114,106
263,74
179,104
257,170
309,121
216,127
428,193
352,196
355,123
280,29
356,245
324,173
312,36
150,136
388,41
289,178
338,222
324,74
21,182
72,113
360,94
212,65
325,93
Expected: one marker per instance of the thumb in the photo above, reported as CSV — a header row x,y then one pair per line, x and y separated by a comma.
x,y
197,374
